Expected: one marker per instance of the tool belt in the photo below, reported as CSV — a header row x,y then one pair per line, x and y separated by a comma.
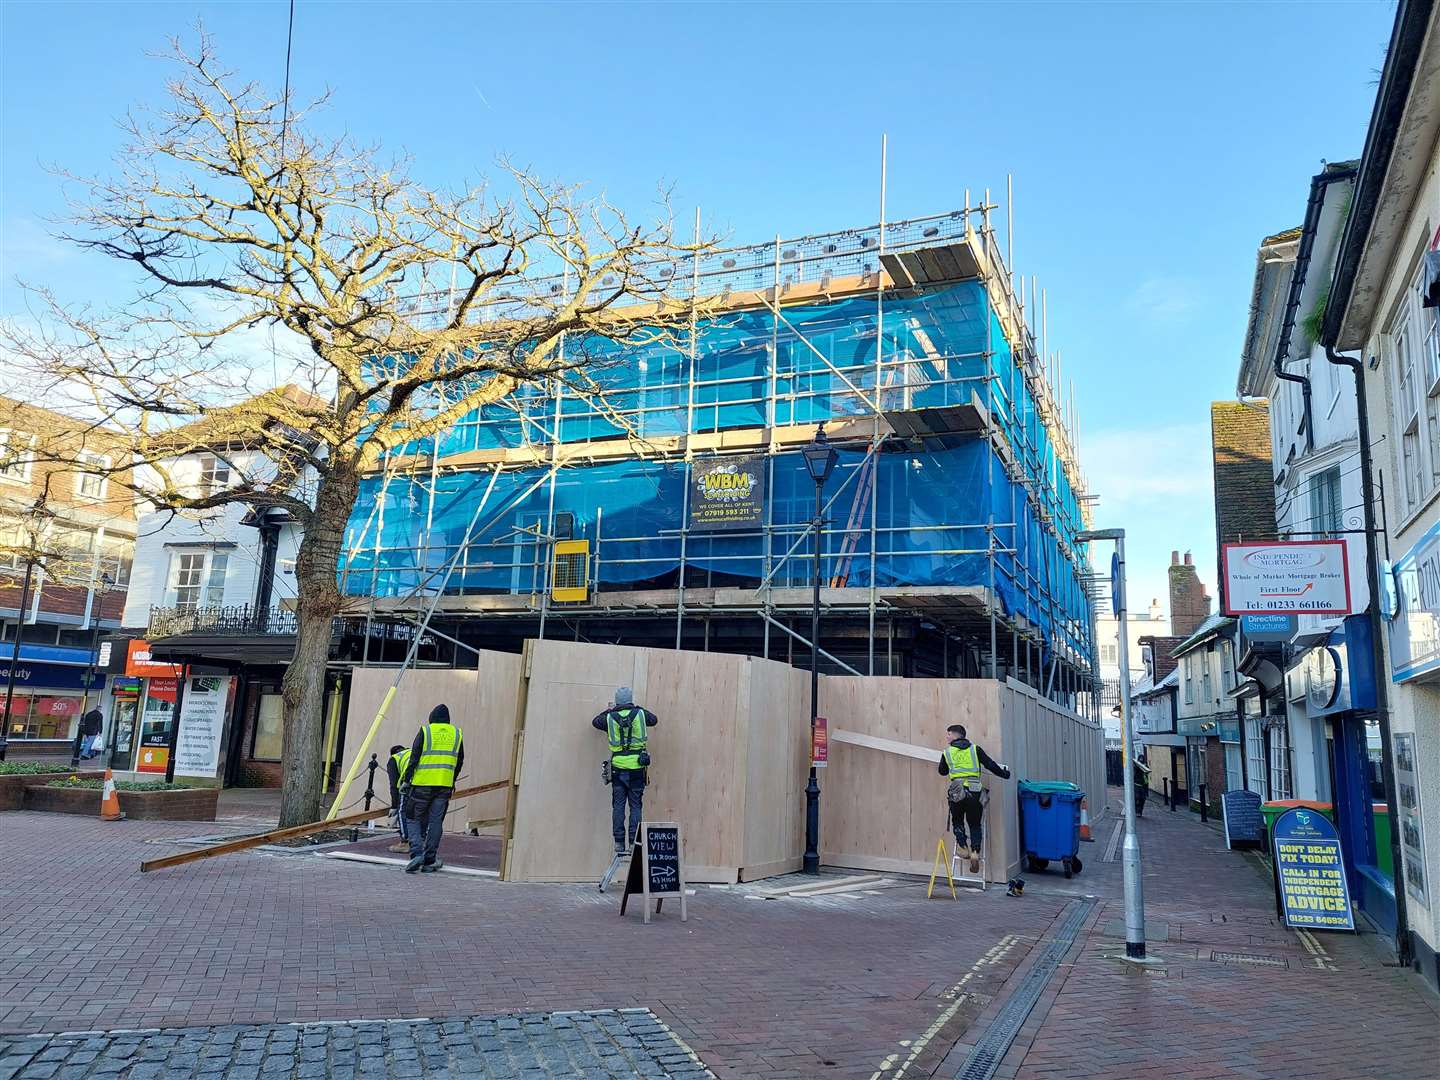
x,y
960,790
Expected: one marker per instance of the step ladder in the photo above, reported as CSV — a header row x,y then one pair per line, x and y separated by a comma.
x,y
960,871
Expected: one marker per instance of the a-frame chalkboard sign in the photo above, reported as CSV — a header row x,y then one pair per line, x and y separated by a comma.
x,y
656,868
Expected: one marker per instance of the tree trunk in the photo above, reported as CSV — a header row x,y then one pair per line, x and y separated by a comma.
x,y
316,568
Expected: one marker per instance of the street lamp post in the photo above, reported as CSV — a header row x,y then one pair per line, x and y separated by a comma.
x,y
1130,862
36,518
820,460
97,603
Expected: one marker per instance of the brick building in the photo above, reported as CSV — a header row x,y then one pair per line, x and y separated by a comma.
x,y
1244,481
67,536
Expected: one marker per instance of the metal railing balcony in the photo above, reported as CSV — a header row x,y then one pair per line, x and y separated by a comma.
x,y
235,620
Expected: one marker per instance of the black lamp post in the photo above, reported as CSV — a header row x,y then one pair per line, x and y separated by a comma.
x,y
97,602
37,517
820,460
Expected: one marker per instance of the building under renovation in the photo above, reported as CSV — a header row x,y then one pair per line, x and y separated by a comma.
x,y
680,513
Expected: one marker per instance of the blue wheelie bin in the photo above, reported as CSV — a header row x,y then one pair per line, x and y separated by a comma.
x,y
1050,824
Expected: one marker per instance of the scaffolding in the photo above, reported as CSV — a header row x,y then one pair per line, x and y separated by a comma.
x,y
955,506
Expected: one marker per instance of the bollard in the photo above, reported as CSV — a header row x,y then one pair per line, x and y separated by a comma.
x,y
370,786
1167,790
1204,806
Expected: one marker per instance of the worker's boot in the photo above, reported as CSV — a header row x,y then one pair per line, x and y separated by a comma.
x,y
399,845
414,865
962,849
975,859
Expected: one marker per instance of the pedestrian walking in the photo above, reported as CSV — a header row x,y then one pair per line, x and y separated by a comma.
x,y
962,761
436,757
91,725
395,770
1142,784
626,726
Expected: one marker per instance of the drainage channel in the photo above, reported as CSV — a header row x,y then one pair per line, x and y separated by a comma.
x,y
991,1047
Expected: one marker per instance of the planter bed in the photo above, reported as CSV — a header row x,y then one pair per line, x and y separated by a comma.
x,y
13,785
186,804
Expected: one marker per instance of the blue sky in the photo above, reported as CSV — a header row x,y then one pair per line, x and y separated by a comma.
x,y
1152,147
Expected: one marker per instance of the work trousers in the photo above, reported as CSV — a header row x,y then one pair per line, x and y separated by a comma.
x,y
626,785
425,809
965,813
1142,792
402,814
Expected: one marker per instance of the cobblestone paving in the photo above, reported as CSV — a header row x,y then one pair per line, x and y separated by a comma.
x,y
604,1043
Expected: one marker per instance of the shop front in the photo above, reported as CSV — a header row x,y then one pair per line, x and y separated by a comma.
x,y
1331,686
50,693
1412,610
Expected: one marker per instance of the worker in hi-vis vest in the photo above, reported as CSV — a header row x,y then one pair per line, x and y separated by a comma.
x,y
436,758
625,724
962,761
394,770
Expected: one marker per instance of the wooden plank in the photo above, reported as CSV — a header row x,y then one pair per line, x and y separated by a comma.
x,y
228,846
517,755
889,746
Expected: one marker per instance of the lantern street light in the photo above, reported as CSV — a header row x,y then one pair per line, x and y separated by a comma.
x,y
820,458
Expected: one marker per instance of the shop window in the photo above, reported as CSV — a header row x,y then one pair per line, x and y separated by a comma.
x,y
42,716
269,728
1280,763
1255,756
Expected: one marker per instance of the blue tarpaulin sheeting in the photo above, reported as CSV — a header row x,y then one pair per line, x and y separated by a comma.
x,y
943,348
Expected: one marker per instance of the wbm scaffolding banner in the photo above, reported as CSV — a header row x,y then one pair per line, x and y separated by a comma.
x,y
727,493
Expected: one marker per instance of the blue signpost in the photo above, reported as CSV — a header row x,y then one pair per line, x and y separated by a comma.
x,y
1311,889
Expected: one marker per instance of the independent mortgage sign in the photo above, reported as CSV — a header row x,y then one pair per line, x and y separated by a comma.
x,y
1289,577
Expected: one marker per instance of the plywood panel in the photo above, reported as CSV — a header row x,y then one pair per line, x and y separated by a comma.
x,y
973,703
865,801
482,703
1045,741
777,766
700,754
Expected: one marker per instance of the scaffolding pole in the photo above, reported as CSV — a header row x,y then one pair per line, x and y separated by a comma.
x,y
689,464
879,395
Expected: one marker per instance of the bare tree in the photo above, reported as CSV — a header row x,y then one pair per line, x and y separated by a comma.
x,y
412,307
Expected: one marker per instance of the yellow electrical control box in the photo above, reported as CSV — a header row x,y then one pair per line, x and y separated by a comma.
x,y
570,575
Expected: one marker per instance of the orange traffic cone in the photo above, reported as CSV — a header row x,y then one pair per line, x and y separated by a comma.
x,y
109,800
1084,819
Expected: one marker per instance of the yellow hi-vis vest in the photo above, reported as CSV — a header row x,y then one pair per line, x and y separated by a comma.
x,y
401,759
436,767
625,727
964,764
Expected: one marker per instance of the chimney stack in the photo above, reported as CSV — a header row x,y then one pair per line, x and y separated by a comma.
x,y
1189,606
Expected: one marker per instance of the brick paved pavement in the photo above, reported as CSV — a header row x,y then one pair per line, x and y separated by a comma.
x,y
1334,1010
769,988
877,982
587,1044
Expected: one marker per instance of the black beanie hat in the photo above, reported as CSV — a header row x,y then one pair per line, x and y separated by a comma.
x,y
440,714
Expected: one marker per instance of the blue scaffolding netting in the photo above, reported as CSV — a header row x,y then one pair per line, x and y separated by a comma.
x,y
992,513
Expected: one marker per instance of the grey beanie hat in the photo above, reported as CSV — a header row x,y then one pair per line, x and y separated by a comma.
x,y
624,695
